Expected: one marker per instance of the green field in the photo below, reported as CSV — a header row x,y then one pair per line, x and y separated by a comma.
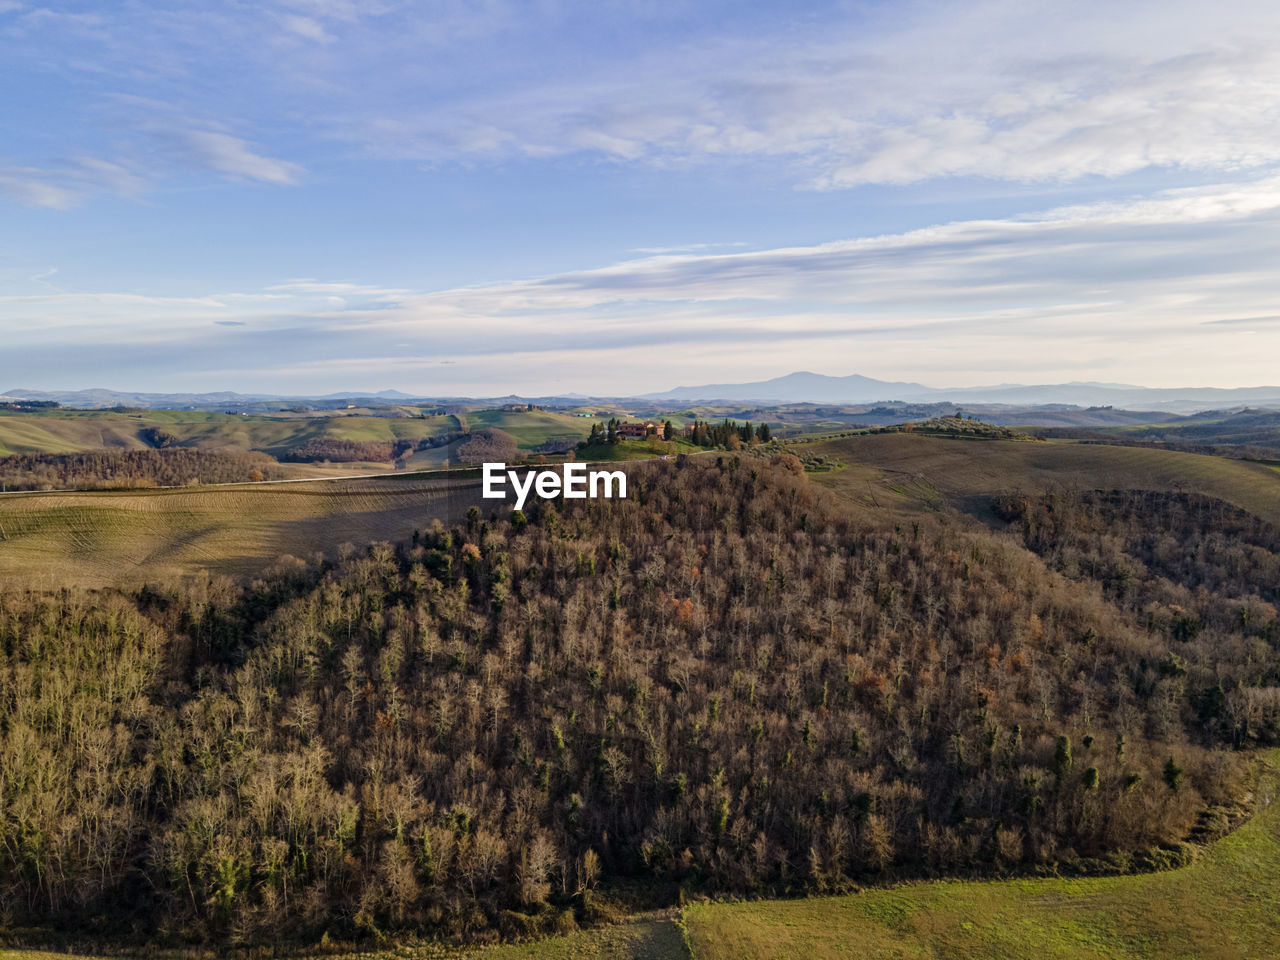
x,y
636,449
101,537
532,427
910,472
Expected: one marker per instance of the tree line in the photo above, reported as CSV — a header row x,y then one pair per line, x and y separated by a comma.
x,y
336,450
609,433
488,445
116,469
728,434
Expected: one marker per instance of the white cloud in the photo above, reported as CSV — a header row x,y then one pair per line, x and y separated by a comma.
x,y
1116,291
307,28
110,175
35,188
67,185
1017,91
1020,90
1064,255
303,286
236,158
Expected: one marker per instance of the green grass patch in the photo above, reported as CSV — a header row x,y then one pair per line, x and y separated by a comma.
x,y
635,450
533,427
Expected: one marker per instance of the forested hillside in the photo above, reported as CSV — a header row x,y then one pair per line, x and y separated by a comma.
x,y
722,681
124,469
1200,573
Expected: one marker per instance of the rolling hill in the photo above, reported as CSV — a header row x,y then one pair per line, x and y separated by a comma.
x,y
912,472
76,431
109,537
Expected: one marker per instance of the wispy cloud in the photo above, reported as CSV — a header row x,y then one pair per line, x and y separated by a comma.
x,y
307,28
896,94
1245,321
1043,92
1114,291
148,99
36,188
237,158
339,289
69,184
687,247
1088,253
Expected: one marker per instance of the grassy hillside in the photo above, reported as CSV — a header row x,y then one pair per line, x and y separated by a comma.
x,y
636,449
102,537
1251,428
532,427
74,431
1226,905
911,472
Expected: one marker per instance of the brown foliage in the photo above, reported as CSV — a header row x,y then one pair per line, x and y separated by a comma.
x,y
116,469
723,679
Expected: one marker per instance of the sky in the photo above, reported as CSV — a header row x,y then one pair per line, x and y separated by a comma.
x,y
549,196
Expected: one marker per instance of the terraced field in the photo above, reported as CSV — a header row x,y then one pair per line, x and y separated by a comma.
x,y
911,472
102,537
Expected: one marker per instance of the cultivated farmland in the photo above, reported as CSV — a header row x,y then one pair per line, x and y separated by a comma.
x,y
101,537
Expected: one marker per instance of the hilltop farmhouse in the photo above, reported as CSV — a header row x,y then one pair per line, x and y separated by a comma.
x,y
638,431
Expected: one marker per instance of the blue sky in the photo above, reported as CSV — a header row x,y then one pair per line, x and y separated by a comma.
x,y
308,196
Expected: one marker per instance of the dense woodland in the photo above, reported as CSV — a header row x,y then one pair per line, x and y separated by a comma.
x,y
335,450
1197,571
40,405
729,433
488,445
116,469
725,681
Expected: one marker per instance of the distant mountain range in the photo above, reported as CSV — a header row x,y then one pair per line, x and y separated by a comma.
x,y
818,388
802,387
